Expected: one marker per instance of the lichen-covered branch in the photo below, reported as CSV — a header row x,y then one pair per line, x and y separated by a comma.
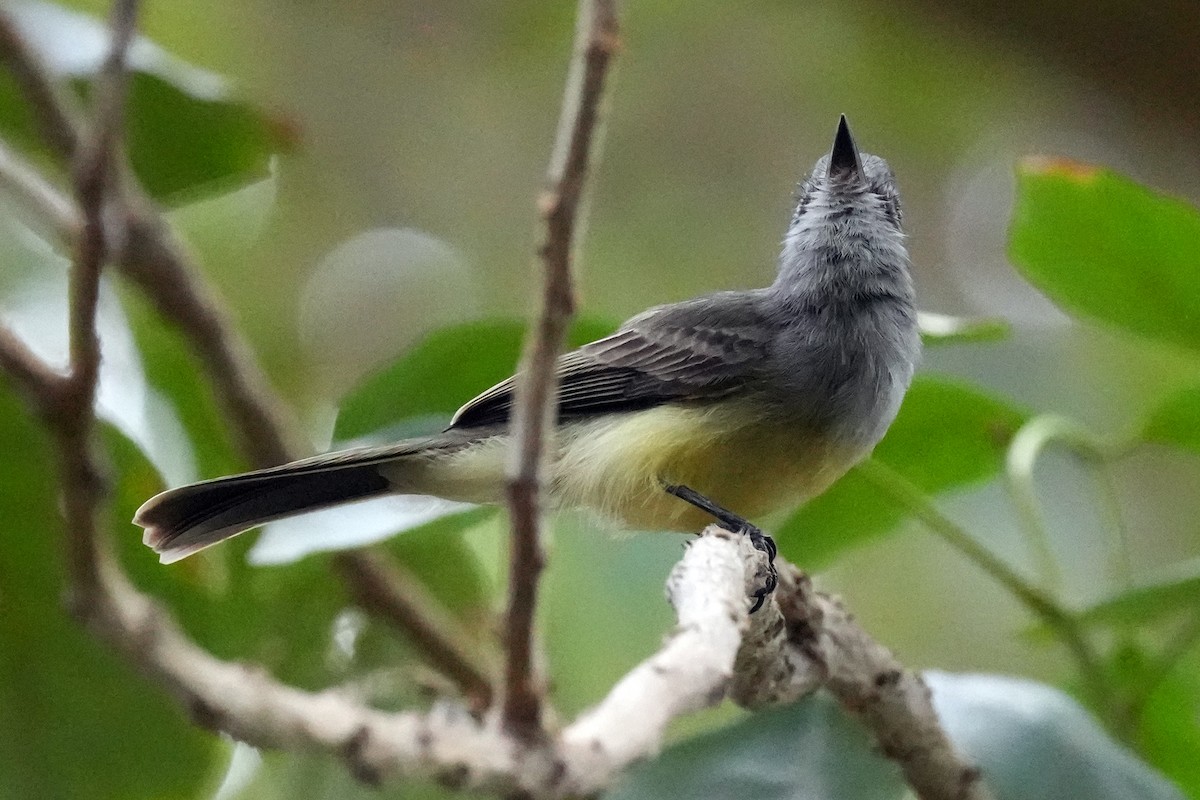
x,y
891,701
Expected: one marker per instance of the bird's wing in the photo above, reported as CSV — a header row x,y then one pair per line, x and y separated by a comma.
x,y
700,349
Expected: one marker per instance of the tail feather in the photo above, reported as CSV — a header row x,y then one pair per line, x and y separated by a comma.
x,y
182,521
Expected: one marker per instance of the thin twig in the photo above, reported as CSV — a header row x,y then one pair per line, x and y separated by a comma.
x,y
153,257
33,193
384,588
596,35
94,173
32,377
54,110
1041,604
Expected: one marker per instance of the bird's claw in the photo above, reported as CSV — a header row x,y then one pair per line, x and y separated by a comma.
x,y
732,522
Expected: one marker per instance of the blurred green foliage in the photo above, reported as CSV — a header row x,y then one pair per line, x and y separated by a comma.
x,y
77,722
946,436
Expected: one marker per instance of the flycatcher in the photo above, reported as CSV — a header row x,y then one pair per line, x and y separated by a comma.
x,y
748,401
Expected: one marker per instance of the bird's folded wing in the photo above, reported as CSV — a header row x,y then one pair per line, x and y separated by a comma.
x,y
698,350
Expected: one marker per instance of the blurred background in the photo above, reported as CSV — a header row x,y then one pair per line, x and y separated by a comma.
x,y
417,137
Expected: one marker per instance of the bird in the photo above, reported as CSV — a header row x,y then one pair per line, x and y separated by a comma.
x,y
727,406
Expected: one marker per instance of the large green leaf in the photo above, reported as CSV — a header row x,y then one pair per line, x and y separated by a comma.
x,y
946,436
77,720
285,776
185,130
1166,732
1174,589
1033,742
1177,420
448,368
1103,247
807,750
181,144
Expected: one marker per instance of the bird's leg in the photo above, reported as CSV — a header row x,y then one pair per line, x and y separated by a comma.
x,y
732,522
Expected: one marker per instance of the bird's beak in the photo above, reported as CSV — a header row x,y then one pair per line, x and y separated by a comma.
x,y
843,159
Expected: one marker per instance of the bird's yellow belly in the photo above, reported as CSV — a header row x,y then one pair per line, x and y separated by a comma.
x,y
618,465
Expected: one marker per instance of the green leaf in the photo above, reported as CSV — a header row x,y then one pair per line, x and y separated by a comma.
x,y
182,144
286,776
1105,248
1174,589
807,750
438,556
1031,741
185,131
1168,732
447,369
78,720
1034,742
946,329
1176,421
947,436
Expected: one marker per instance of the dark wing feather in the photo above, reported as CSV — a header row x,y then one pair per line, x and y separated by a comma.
x,y
697,350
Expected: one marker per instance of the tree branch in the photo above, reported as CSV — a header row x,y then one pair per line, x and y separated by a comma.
x,y
41,385
596,38
93,179
33,193
54,109
716,646
384,588
891,701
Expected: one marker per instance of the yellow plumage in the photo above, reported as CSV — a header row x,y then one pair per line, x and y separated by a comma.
x,y
617,465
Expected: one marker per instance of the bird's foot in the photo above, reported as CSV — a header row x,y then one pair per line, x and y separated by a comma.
x,y
732,522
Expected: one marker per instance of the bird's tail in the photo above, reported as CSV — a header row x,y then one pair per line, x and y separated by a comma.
x,y
181,521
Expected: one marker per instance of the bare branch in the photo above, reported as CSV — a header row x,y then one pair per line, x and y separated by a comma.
x,y
53,108
95,160
533,411
33,378
49,206
159,263
249,705
709,589
94,171
155,259
384,588
891,701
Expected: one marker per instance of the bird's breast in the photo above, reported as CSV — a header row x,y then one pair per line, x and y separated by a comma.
x,y
735,453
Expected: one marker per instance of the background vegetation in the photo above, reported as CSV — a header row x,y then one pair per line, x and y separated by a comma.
x,y
358,179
